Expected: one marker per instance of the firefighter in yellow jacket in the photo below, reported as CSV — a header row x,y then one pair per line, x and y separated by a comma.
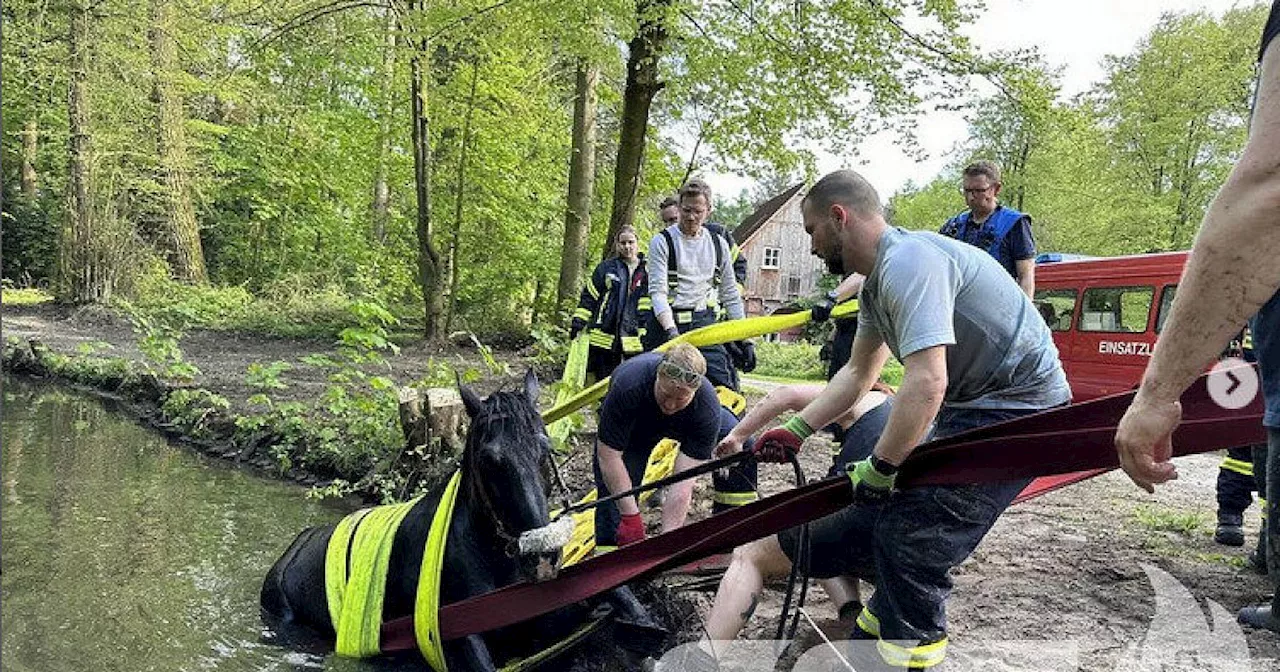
x,y
610,305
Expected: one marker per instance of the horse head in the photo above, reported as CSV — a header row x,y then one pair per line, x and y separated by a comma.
x,y
506,469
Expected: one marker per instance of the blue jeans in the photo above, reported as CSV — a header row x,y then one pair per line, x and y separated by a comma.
x,y
921,533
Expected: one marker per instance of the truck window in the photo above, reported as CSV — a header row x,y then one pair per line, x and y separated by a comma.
x,y
1056,306
1166,302
1116,309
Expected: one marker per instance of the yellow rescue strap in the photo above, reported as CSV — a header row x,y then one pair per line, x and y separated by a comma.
x,y
571,382
426,609
361,543
714,334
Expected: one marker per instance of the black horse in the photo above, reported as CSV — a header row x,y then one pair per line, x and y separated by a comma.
x,y
506,476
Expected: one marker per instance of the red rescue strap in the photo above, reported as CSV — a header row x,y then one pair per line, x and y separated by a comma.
x,y
1065,443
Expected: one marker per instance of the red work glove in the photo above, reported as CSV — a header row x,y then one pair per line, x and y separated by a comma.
x,y
780,443
630,529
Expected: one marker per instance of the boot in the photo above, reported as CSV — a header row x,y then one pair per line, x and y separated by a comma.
x,y
1259,616
1230,530
1258,558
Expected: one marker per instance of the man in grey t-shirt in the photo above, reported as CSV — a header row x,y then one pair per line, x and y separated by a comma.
x,y
975,352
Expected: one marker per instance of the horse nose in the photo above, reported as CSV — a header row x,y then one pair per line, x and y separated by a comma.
x,y
546,567
539,567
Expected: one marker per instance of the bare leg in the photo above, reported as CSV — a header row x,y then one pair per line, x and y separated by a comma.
x,y
842,590
743,582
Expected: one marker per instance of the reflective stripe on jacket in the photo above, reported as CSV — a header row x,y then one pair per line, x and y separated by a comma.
x,y
610,303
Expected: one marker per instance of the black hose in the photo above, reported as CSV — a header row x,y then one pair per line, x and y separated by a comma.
x,y
799,569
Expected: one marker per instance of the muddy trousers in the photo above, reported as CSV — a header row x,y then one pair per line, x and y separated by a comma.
x,y
918,537
1266,468
1236,484
636,458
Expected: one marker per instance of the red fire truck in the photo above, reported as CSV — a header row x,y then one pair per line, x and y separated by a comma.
x,y
1105,314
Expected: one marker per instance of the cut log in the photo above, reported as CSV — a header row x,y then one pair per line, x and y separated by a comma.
x,y
446,422
412,422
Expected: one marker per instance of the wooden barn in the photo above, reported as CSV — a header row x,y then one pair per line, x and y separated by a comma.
x,y
780,267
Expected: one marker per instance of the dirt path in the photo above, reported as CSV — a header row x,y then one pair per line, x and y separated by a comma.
x,y
1063,573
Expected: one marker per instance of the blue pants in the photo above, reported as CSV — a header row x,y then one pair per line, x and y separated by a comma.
x,y
907,546
1236,483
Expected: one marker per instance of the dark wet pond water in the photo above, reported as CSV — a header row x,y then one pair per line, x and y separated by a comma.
x,y
124,552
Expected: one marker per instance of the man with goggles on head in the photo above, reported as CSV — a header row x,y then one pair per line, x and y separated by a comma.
x,y
652,397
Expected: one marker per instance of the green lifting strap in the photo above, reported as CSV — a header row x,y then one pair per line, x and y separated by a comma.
x,y
356,562
426,610
714,334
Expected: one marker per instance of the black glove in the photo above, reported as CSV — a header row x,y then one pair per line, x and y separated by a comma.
x,y
576,326
743,354
672,334
821,309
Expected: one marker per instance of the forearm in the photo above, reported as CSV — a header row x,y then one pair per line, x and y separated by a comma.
x,y
1027,280
846,387
790,398
656,266
850,286
662,309
675,507
731,298
616,478
914,408
849,384
1225,281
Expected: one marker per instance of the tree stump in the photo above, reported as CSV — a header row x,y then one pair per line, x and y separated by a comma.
x,y
447,421
433,422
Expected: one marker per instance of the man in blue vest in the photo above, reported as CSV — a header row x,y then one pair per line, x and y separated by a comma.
x,y
1002,231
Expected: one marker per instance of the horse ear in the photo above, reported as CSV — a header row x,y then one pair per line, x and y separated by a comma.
x,y
531,386
470,401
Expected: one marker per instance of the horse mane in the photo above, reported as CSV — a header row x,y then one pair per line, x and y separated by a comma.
x,y
512,412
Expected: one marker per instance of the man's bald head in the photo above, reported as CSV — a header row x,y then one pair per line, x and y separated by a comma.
x,y
846,188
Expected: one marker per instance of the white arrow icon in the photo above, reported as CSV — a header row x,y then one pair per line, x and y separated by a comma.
x,y
1232,383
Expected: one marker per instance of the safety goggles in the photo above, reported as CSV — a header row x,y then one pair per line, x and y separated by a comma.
x,y
679,374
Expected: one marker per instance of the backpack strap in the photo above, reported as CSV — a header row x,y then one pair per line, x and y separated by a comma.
x,y
673,280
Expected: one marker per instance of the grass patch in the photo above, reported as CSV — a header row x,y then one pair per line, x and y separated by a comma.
x,y
793,363
789,361
24,297
1233,561
782,380
1158,520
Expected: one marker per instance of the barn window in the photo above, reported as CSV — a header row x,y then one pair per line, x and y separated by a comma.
x,y
772,257
793,286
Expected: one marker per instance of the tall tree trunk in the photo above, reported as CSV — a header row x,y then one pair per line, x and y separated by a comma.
x,y
79,256
381,207
582,177
642,85
182,231
428,256
30,137
460,190
1023,157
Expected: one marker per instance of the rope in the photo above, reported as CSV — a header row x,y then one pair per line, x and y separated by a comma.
x,y
704,468
799,568
823,635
